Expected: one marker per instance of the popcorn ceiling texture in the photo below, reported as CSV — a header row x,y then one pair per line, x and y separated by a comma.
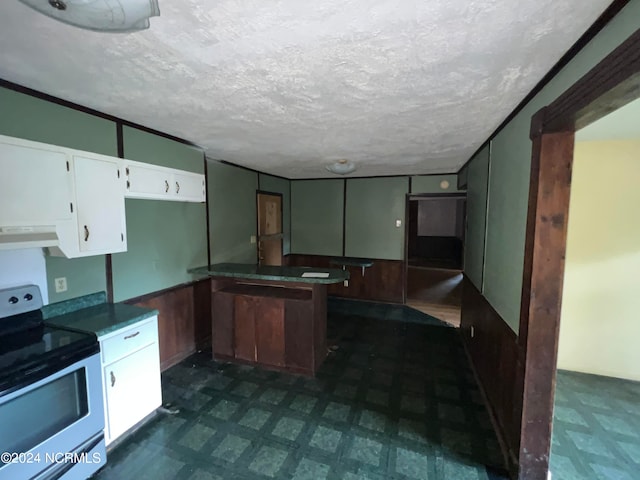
x,y
285,87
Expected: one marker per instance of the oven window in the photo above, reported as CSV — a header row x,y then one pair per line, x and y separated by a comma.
x,y
32,418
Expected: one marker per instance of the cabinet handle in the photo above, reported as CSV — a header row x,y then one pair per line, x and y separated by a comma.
x,y
113,379
177,187
86,233
128,184
166,186
132,335
127,171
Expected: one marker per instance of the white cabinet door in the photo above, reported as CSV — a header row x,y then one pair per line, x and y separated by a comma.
x,y
132,390
35,184
189,187
100,204
148,181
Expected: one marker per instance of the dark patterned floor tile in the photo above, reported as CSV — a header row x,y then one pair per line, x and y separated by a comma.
x,y
594,435
384,406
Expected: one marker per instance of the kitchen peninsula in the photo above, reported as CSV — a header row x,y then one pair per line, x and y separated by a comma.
x,y
270,315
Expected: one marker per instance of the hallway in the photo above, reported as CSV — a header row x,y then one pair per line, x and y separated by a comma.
x,y
436,292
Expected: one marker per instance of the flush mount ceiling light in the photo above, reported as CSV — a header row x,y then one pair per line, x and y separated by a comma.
x,y
341,167
100,15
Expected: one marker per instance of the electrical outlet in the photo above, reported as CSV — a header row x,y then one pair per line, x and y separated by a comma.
x,y
346,283
252,240
398,223
61,284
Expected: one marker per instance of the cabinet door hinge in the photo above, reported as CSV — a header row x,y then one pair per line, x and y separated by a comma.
x,y
71,207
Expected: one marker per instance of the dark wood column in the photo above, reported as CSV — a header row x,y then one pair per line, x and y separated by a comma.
x,y
545,247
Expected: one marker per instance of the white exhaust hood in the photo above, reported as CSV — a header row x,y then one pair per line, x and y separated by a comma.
x,y
12,238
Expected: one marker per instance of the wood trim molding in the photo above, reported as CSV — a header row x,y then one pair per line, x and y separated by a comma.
x,y
206,203
344,217
613,83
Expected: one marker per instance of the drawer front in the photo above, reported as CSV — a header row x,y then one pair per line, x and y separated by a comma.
x,y
129,340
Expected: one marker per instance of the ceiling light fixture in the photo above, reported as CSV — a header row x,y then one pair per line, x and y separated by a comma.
x,y
100,15
341,167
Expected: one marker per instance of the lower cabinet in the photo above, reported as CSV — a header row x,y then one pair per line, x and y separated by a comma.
x,y
130,376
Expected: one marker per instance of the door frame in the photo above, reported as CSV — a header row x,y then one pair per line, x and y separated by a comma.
x,y
275,194
611,84
418,196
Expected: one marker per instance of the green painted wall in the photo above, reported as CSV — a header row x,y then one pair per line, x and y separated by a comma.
x,y
164,239
232,213
510,165
316,216
477,178
431,184
149,148
28,117
373,206
272,184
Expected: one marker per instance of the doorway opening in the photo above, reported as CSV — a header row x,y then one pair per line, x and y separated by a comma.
x,y
598,358
611,84
269,210
435,253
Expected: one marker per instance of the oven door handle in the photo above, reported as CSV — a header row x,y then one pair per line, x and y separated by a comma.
x,y
113,379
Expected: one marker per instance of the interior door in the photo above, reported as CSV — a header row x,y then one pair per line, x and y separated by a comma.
x,y
269,229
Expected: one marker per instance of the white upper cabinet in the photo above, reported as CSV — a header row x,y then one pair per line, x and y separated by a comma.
x,y
100,198
27,180
70,201
189,187
153,182
73,201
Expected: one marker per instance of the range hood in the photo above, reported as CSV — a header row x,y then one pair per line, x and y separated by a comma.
x,y
12,238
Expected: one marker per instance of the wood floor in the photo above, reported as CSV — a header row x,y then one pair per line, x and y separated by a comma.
x,y
437,292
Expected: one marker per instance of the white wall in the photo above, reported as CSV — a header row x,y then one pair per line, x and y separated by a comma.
x,y
22,267
600,322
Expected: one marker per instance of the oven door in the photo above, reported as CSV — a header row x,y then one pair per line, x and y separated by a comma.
x,y
46,422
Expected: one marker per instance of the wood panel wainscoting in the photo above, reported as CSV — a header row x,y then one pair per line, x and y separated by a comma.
x,y
497,360
382,282
184,320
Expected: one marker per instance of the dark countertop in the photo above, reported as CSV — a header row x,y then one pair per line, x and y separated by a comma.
x,y
90,315
351,261
283,274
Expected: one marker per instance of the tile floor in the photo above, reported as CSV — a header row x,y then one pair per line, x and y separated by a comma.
x,y
396,400
596,428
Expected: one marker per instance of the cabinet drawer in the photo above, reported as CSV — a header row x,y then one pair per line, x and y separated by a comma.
x,y
129,340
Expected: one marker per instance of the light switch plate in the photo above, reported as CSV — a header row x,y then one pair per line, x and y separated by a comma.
x,y
398,223
252,240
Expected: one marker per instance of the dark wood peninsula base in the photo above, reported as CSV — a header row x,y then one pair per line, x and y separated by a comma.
x,y
273,324
270,316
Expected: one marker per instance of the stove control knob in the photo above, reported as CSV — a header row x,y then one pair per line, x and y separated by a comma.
x,y
13,300
28,297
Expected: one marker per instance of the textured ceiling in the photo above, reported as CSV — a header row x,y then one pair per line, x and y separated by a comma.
x,y
397,86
